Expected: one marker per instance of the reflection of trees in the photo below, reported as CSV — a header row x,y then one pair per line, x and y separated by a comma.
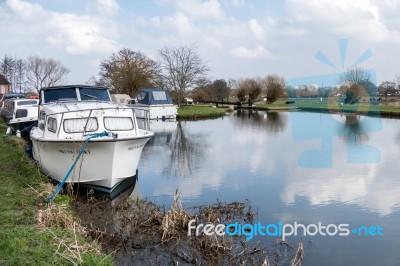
x,y
353,130
274,122
187,151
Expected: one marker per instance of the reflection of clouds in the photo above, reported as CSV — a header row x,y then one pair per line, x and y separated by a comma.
x,y
323,186
239,158
370,186
190,187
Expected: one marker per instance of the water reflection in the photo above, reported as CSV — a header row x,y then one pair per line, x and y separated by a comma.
x,y
353,130
185,150
274,122
256,157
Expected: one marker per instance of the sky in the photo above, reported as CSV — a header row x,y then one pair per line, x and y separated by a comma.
x,y
235,38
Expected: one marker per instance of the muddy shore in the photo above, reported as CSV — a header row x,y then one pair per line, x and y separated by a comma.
x,y
138,232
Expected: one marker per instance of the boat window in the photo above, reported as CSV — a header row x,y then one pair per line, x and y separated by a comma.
x,y
42,116
52,124
118,123
159,95
21,113
77,125
94,94
141,97
61,94
27,102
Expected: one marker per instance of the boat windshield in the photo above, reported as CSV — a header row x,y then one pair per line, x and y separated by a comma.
x,y
61,94
70,94
94,94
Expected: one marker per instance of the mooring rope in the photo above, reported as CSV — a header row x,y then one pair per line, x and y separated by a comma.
x,y
81,151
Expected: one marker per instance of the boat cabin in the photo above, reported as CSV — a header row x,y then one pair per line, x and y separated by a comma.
x,y
17,108
70,111
153,97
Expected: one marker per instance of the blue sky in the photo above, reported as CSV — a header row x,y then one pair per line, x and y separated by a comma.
x,y
236,38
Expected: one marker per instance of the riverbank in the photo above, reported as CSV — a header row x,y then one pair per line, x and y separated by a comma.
x,y
200,111
32,233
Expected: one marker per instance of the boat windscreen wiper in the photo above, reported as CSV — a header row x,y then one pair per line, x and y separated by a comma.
x,y
90,96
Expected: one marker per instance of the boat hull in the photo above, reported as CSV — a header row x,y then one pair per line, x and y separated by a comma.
x,y
167,111
104,163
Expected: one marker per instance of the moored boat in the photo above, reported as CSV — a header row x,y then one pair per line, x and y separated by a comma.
x,y
82,121
24,116
154,104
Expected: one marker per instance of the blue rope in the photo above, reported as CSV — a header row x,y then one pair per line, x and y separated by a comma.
x,y
28,127
81,151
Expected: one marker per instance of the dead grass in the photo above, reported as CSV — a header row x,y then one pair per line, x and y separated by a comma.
x,y
141,231
175,220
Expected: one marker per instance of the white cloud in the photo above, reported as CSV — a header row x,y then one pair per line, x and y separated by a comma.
x,y
81,35
179,23
234,3
26,11
76,34
243,52
256,29
198,9
352,18
107,7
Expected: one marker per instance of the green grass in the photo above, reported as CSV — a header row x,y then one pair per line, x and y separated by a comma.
x,y
21,241
200,111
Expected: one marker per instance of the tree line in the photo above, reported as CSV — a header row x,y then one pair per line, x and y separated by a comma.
x,y
32,73
182,71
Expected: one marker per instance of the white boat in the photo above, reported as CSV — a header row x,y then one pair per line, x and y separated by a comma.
x,y
24,115
68,117
154,104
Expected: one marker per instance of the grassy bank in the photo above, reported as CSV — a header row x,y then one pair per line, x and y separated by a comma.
x,y
200,111
36,236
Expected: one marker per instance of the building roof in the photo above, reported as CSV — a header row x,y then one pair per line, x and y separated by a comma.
x,y
3,80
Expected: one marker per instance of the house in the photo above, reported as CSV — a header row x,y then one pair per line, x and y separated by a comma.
x,y
4,85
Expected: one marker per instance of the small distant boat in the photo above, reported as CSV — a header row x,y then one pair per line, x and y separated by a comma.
x,y
72,116
154,104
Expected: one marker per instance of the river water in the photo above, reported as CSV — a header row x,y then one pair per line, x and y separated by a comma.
x,y
293,167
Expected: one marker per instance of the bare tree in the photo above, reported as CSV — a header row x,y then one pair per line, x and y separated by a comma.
x,y
182,68
275,87
241,94
8,70
387,88
128,71
44,72
20,71
250,87
356,75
